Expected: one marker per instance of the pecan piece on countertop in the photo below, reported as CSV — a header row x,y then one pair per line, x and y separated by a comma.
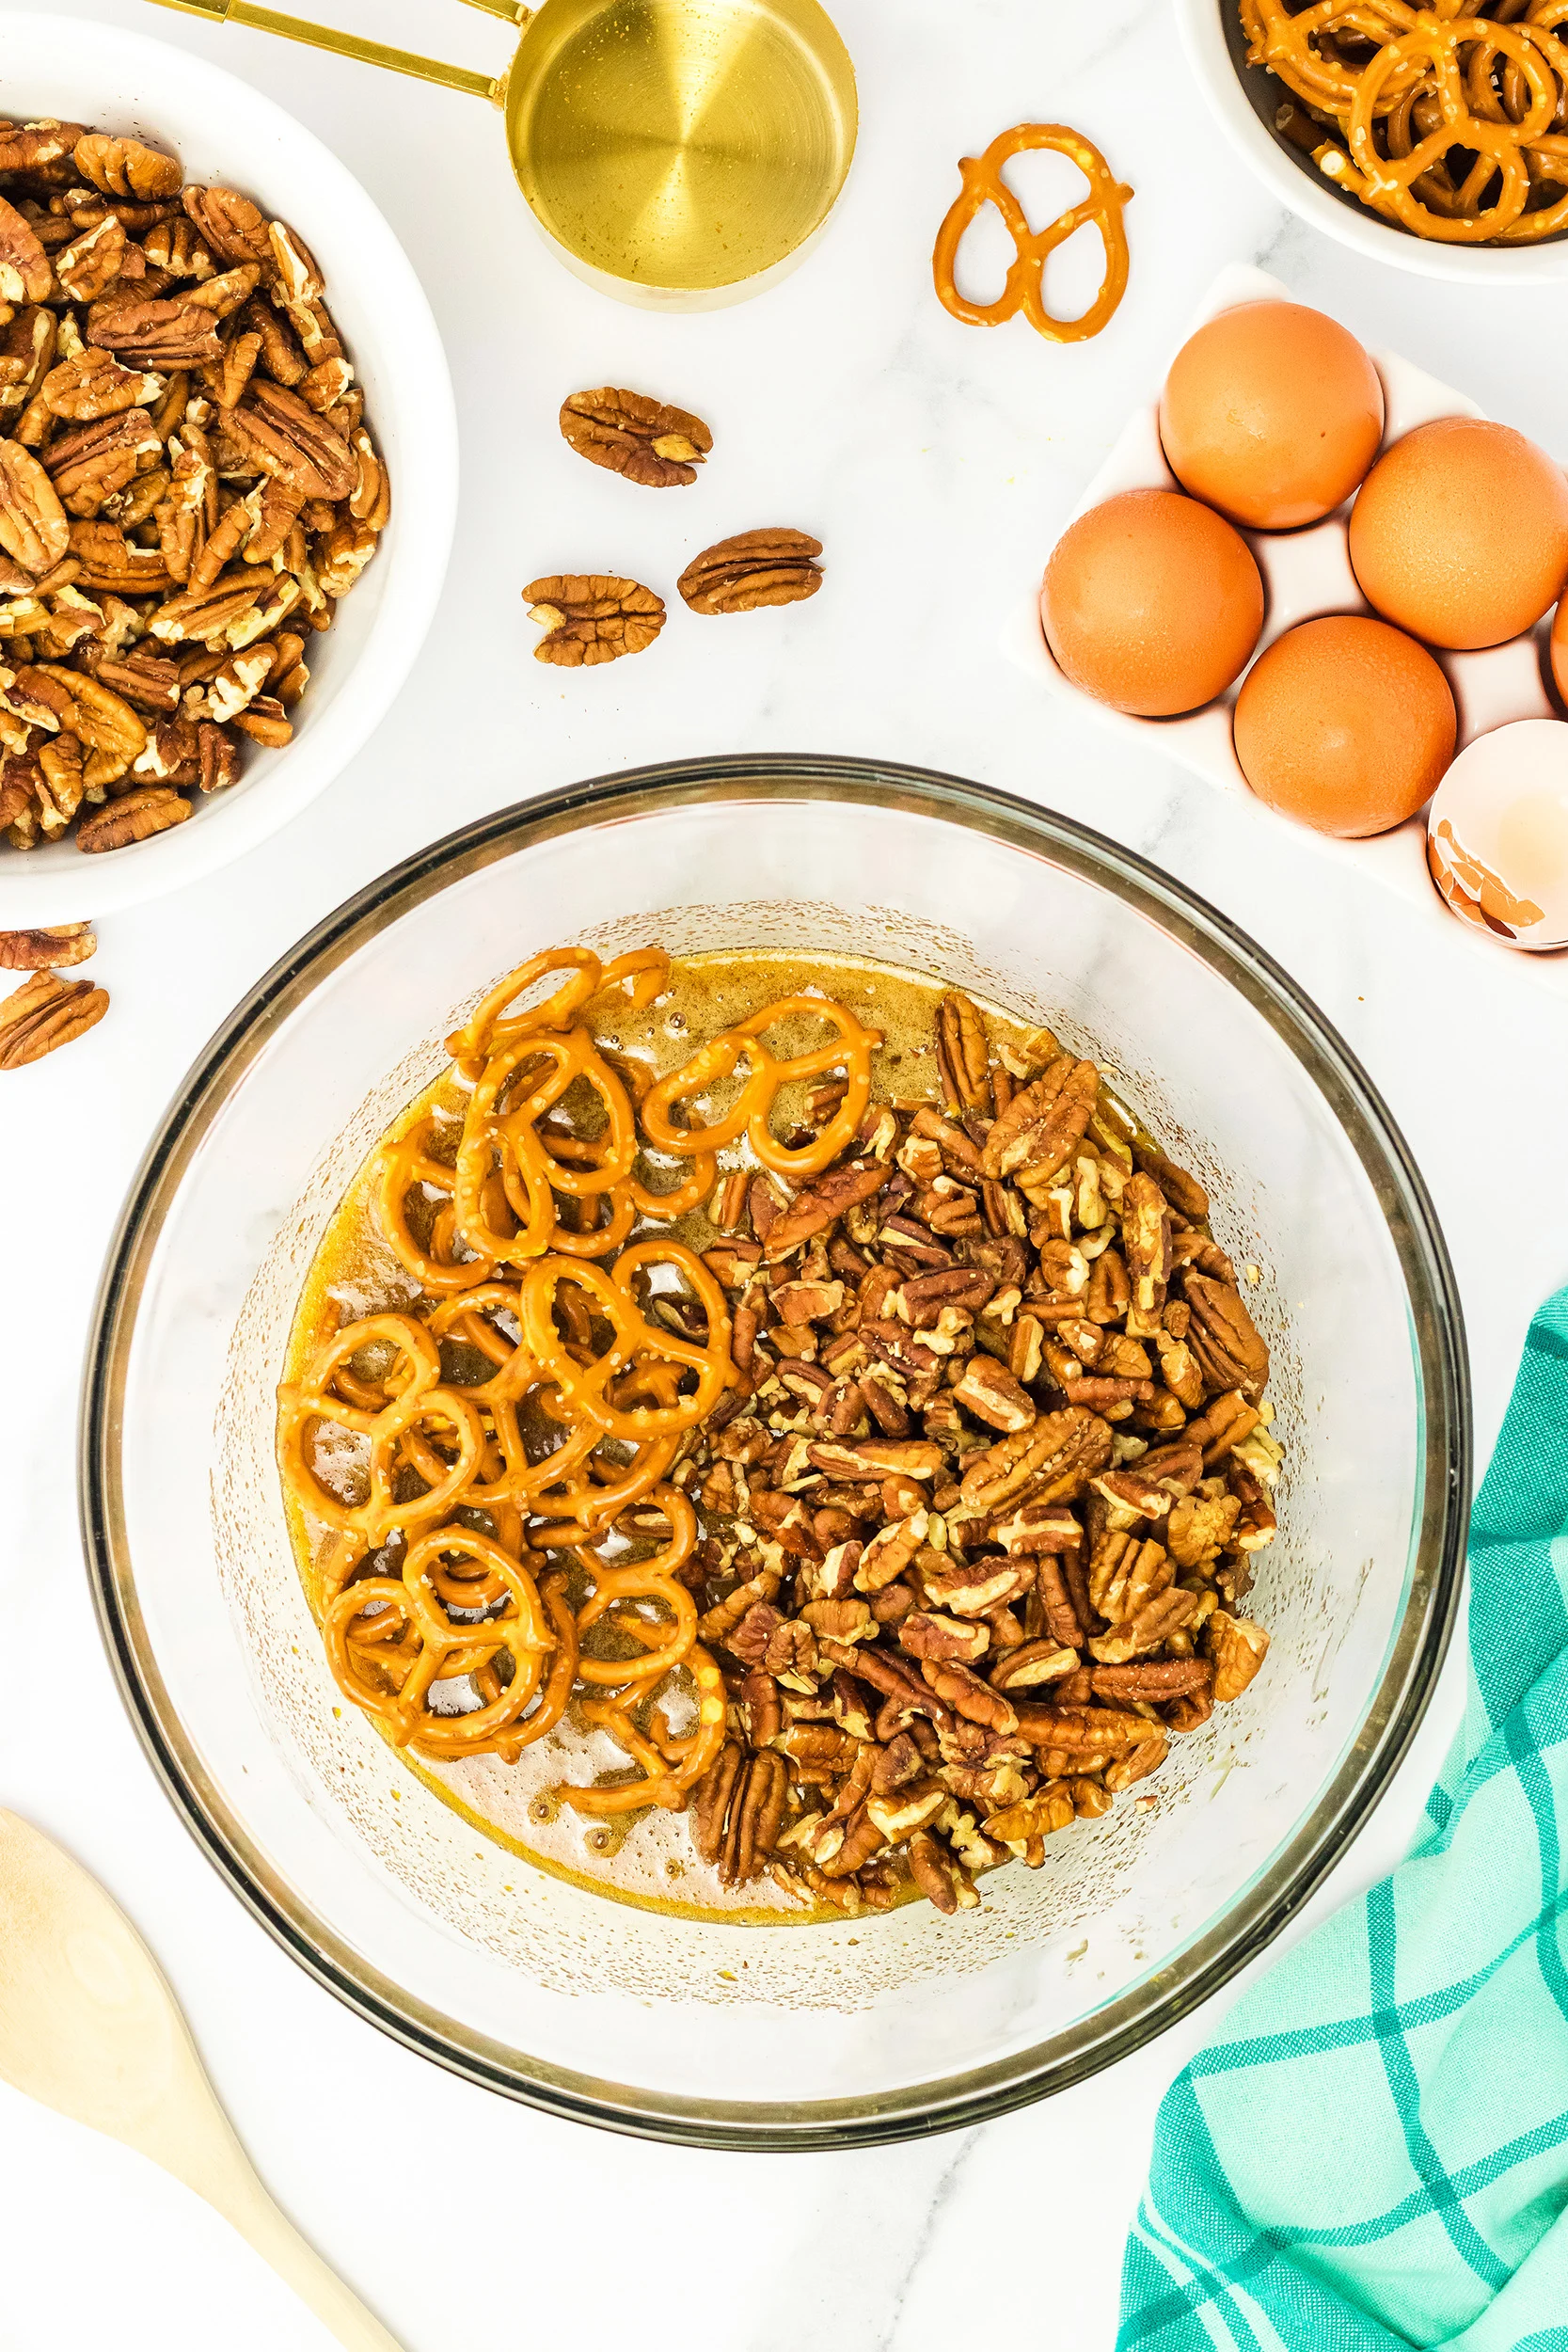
x,y
134,816
32,951
44,1013
644,439
589,617
755,567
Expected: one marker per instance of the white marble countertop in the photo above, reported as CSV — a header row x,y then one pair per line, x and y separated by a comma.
x,y
933,461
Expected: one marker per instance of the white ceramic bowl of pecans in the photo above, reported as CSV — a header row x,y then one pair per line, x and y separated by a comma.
x,y
393,524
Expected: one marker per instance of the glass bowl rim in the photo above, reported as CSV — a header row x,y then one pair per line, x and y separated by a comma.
x,y
1254,1916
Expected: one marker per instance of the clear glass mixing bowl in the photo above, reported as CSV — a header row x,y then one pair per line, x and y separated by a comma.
x,y
805,2036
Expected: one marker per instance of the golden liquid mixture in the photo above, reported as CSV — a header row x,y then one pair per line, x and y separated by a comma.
x,y
647,1858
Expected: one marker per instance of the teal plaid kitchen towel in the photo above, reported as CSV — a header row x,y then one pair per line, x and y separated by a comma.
x,y
1374,2154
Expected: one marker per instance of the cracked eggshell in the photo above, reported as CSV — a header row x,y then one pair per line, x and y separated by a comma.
x,y
1497,834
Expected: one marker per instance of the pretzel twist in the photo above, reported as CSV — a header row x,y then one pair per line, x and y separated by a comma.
x,y
1455,126
850,1048
1024,286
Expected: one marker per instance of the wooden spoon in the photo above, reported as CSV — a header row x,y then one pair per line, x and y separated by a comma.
x,y
89,2026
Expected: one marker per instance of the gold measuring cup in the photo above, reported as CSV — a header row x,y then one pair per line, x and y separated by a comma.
x,y
678,153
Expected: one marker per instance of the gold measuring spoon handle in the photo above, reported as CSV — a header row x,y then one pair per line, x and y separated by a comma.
x,y
354,45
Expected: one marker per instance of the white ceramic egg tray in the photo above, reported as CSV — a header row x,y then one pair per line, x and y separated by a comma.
x,y
1306,574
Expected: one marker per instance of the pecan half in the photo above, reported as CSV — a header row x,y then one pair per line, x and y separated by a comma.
x,y
832,1196
1237,1646
592,617
33,526
927,1633
25,275
1146,1248
101,720
134,816
38,149
755,567
1051,1462
88,464
109,561
94,385
45,1012
31,951
963,1056
988,1390
289,441
141,334
642,439
91,262
1222,1335
229,224
1043,1125
126,168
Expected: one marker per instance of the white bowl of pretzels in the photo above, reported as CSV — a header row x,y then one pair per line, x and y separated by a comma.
x,y
1434,147
215,366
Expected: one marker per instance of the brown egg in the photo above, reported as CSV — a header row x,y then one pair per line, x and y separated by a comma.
x,y
1151,603
1560,651
1461,532
1345,724
1273,413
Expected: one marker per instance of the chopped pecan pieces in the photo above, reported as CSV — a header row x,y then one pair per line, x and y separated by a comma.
x,y
592,617
755,567
992,1589
632,435
44,1013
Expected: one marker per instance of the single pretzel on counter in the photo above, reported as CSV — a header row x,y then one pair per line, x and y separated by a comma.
x,y
1024,288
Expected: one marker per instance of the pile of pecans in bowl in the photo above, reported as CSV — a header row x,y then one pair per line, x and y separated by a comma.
x,y
980,1520
187,484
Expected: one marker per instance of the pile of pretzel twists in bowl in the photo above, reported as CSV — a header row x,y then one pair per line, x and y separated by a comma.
x,y
893,1513
1451,121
